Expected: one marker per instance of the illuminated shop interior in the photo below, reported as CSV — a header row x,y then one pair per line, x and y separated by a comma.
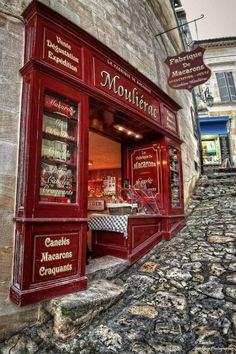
x,y
110,131
211,149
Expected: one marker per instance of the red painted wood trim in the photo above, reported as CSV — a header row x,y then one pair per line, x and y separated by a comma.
x,y
54,220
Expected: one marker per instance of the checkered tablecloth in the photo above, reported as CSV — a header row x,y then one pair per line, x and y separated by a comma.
x,y
115,223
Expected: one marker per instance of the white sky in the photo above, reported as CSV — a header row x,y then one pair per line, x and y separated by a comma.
x,y
219,20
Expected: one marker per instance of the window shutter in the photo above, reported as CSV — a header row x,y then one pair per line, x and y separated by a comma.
x,y
231,85
223,87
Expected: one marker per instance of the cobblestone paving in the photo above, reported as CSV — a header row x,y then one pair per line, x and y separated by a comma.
x,y
180,298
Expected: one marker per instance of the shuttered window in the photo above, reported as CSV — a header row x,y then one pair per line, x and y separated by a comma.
x,y
226,86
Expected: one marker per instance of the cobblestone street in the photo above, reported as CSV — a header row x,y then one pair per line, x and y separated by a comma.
x,y
180,298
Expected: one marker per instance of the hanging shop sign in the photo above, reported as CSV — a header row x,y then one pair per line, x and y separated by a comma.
x,y
187,70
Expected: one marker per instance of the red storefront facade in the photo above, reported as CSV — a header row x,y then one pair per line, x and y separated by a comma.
x,y
73,85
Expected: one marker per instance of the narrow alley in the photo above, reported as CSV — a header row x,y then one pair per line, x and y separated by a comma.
x,y
179,298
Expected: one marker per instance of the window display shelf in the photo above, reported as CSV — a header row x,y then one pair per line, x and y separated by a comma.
x,y
57,162
50,136
59,115
61,189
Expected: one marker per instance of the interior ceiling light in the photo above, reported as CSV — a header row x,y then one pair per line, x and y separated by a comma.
x,y
128,131
90,163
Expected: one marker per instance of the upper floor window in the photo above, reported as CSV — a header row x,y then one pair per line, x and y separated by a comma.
x,y
226,86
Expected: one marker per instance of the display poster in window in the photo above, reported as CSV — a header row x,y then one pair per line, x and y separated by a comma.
x,y
59,151
144,169
109,185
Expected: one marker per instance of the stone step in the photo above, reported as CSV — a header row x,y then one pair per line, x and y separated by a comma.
x,y
215,171
222,176
74,312
205,182
215,182
107,267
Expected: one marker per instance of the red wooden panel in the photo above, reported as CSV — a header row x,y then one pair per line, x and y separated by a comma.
x,y
109,243
169,120
145,168
60,52
120,84
109,238
140,233
55,256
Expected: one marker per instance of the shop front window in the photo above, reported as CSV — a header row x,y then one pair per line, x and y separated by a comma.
x,y
211,150
106,192
59,151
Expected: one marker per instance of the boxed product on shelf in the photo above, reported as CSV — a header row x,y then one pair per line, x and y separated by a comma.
x,y
121,208
53,195
54,149
55,126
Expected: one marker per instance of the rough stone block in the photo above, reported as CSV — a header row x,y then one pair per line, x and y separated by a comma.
x,y
9,126
3,21
65,11
107,267
8,157
4,291
10,95
98,10
7,191
6,263
75,311
12,318
6,228
16,28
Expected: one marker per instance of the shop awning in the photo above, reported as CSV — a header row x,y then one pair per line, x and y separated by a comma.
x,y
213,125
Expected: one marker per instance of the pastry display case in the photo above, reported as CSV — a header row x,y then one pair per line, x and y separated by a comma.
x,y
59,151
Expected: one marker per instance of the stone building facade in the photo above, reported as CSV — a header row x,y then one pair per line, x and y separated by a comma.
x,y
126,27
218,119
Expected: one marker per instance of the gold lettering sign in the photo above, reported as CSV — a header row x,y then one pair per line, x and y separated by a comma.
x,y
133,96
121,85
62,53
55,256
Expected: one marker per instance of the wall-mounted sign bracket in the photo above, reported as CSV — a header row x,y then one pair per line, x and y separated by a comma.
x,y
183,24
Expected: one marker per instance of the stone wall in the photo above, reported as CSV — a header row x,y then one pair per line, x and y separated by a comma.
x,y
128,27
11,47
